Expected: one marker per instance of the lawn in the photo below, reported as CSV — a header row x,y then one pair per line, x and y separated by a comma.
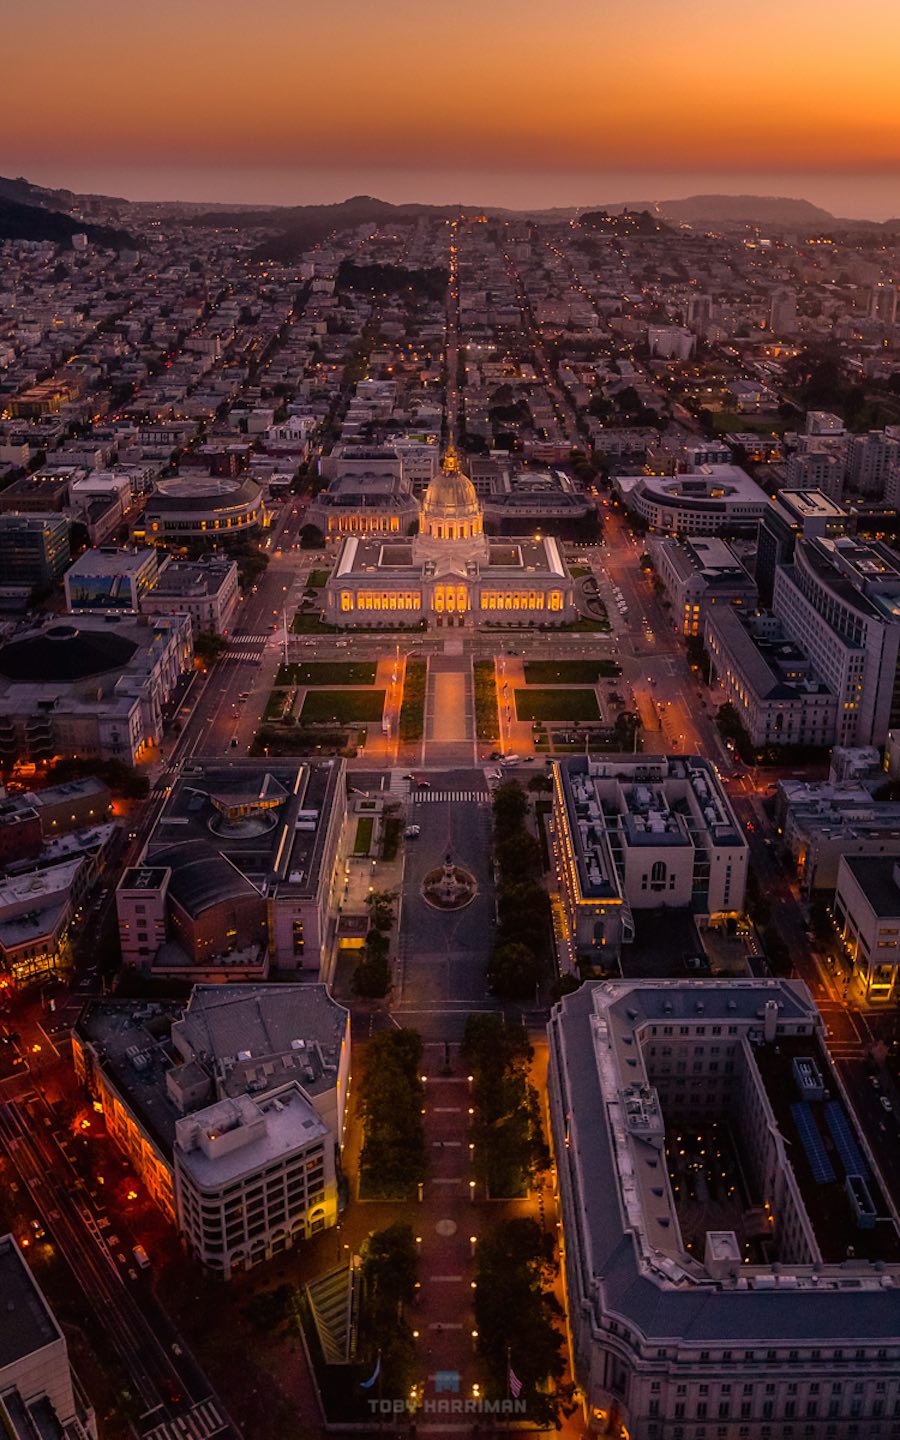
x,y
327,672
318,579
556,705
584,623
578,572
342,707
569,672
363,842
277,705
486,724
412,710
310,622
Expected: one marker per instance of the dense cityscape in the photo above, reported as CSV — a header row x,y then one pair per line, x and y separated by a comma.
x,y
450,820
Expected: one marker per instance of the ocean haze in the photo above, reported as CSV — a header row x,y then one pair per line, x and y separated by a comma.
x,y
857,196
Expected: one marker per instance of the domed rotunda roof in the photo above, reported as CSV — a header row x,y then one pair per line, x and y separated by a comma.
x,y
451,494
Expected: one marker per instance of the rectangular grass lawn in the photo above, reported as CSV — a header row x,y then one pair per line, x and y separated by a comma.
x,y
556,705
569,672
328,672
345,707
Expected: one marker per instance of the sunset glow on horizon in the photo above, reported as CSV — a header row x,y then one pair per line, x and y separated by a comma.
x,y
473,88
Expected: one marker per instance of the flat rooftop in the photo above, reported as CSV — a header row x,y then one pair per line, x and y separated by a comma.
x,y
826,1204
876,876
28,1324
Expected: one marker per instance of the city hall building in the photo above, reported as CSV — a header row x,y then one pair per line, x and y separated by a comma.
x,y
450,573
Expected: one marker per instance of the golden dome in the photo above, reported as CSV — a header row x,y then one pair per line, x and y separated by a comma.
x,y
451,494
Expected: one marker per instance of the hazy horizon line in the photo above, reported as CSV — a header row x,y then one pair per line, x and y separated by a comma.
x,y
854,197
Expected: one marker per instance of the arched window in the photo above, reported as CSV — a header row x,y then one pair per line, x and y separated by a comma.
x,y
658,875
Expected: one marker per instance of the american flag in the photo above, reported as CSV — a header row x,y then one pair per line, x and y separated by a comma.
x,y
514,1383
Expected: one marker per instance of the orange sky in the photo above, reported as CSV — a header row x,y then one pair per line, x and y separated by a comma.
x,y
581,85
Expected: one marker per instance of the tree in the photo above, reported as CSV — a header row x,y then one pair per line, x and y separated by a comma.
x,y
513,970
524,913
209,646
646,562
393,1158
519,857
372,976
516,1313
388,1278
510,807
625,727
509,1146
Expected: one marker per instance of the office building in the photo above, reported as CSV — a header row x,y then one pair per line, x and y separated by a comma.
x,y
34,550
240,873
232,1108
867,917
207,589
730,1250
840,602
40,1397
714,500
110,581
699,575
642,832
779,697
95,687
789,516
821,822
818,470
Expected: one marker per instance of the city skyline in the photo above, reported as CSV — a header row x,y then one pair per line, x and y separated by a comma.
x,y
482,106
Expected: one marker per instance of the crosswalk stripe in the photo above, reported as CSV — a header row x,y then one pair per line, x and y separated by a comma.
x,y
444,797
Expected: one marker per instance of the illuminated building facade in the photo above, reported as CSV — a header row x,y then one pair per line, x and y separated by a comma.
x,y
642,832
231,1108
208,507
450,573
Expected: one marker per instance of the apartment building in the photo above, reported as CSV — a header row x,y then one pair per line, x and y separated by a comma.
x,y
231,1107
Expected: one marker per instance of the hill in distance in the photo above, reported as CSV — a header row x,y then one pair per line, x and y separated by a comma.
x,y
33,222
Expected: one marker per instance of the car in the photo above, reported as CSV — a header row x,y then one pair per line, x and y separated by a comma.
x,y
410,778
234,742
412,831
874,1082
171,1391
494,755
528,760
885,1103
423,784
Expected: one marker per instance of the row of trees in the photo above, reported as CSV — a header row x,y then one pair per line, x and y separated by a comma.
x,y
388,1281
506,1131
394,1159
372,976
523,909
516,1315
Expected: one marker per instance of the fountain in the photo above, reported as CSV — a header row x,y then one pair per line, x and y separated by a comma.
x,y
450,886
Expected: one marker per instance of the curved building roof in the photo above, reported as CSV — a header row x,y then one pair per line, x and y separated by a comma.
x,y
451,494
63,653
206,492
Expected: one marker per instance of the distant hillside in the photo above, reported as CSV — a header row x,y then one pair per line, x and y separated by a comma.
x,y
25,193
33,222
625,222
296,228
